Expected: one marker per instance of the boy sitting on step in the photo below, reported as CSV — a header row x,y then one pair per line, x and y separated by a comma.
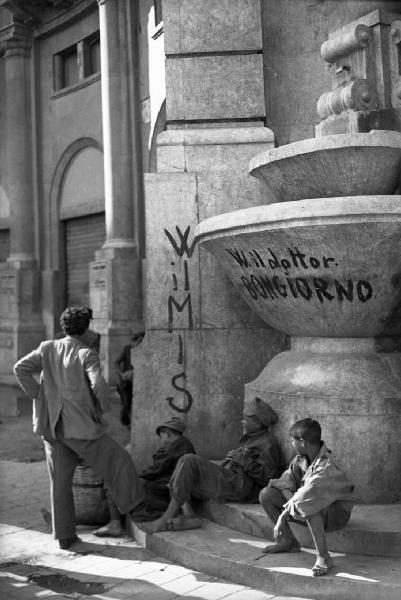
x,y
312,490
173,445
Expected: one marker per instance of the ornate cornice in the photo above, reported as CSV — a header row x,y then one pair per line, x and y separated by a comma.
x,y
15,35
31,11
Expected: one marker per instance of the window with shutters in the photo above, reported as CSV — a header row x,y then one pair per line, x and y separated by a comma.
x,y
74,65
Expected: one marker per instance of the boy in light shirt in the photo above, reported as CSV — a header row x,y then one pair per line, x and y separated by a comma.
x,y
312,490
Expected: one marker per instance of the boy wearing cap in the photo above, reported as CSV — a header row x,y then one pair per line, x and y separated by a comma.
x,y
313,490
156,477
173,445
239,478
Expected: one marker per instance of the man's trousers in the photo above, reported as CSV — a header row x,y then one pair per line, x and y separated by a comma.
x,y
107,458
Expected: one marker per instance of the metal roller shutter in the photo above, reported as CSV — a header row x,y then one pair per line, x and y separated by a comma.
x,y
4,244
83,237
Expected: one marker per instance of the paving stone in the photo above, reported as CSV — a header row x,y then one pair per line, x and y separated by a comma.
x,y
132,588
248,594
214,591
188,583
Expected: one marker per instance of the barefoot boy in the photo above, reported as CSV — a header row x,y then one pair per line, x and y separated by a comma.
x,y
173,445
312,489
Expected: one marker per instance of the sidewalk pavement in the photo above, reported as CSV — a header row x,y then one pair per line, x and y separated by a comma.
x,y
32,565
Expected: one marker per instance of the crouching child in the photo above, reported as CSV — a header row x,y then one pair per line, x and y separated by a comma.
x,y
313,490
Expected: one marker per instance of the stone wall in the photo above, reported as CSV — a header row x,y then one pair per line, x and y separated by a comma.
x,y
202,342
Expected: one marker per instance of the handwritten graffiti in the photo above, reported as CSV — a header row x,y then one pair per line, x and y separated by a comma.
x,y
183,248
295,259
188,398
300,287
281,277
174,306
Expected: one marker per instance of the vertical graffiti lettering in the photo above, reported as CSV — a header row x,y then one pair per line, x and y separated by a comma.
x,y
181,247
187,403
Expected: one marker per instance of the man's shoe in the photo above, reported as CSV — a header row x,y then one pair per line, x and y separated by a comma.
x,y
66,543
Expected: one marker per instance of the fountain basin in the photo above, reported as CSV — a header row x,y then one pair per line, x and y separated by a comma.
x,y
319,267
351,164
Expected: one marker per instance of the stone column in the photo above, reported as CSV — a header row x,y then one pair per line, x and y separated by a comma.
x,y
115,275
21,328
19,151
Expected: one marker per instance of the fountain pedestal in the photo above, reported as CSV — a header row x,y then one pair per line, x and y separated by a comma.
x,y
355,394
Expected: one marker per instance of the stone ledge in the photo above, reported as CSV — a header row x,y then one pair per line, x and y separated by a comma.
x,y
374,530
237,556
212,136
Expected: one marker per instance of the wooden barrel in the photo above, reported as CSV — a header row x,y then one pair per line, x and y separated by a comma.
x,y
91,507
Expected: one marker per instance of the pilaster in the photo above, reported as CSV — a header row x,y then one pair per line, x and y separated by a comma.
x,y
115,275
21,328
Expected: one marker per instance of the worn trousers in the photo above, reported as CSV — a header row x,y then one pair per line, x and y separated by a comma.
x,y
107,458
198,477
124,388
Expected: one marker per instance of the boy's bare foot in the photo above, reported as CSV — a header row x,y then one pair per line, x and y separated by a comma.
x,y
161,524
322,566
282,547
112,529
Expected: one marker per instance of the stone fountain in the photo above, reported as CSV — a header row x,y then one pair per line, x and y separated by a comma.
x,y
321,261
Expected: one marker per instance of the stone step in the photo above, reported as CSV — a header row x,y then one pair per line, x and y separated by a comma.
x,y
373,530
237,556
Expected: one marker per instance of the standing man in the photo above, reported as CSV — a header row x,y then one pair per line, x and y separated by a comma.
x,y
125,377
68,406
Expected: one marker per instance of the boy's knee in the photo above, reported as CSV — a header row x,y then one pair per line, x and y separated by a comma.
x,y
266,496
186,461
188,458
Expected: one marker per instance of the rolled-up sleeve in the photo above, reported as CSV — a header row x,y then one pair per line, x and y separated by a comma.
x,y
324,486
289,480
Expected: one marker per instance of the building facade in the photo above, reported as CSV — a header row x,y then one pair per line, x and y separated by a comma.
x,y
121,128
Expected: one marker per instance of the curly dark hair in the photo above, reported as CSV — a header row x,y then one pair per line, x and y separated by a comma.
x,y
75,319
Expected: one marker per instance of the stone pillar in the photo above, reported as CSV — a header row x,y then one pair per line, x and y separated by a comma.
x,y
201,346
21,328
115,275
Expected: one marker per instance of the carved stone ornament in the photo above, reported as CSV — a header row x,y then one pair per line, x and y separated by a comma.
x,y
32,10
395,31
